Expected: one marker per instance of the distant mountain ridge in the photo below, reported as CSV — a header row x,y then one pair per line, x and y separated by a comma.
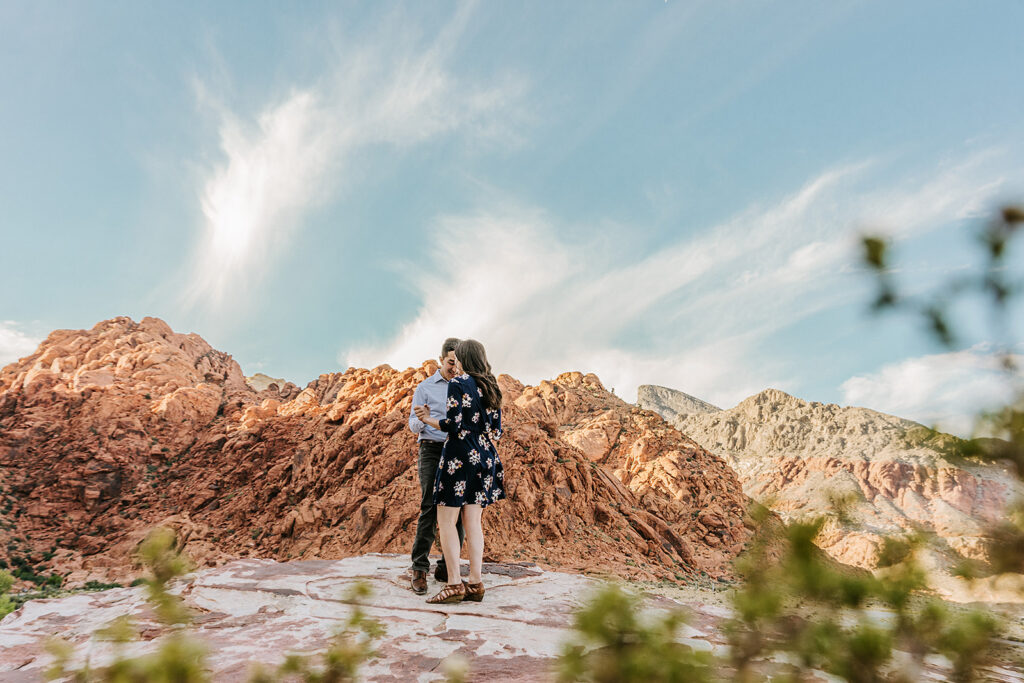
x,y
260,381
670,403
273,386
794,454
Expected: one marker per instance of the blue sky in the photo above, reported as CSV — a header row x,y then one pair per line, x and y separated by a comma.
x,y
657,192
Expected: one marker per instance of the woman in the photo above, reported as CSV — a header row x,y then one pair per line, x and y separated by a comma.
x,y
469,474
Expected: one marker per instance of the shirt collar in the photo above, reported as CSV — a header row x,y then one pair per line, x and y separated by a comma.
x,y
437,377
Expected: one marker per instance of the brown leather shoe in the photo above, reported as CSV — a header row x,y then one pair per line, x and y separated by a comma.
x,y
474,591
419,582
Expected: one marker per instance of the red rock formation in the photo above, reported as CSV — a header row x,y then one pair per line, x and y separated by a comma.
x,y
107,432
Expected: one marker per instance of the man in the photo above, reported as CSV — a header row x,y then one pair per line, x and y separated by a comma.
x,y
433,393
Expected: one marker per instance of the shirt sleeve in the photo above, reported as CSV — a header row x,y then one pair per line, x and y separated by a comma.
x,y
453,408
418,399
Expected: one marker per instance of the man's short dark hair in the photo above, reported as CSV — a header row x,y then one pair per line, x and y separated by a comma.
x,y
449,345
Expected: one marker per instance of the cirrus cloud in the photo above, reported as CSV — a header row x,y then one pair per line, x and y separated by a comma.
x,y
694,315
391,90
944,390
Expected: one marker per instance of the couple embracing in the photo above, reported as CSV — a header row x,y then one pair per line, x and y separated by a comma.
x,y
456,412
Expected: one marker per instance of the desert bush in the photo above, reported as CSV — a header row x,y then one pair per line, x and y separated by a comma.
x,y
6,605
613,641
994,283
179,659
99,586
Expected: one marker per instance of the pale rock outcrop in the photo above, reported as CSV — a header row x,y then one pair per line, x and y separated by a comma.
x,y
670,403
798,455
273,387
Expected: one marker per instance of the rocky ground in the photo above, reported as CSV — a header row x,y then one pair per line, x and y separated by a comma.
x,y
255,611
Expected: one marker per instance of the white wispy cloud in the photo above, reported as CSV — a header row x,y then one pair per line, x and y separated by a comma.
x,y
693,315
15,343
944,390
393,89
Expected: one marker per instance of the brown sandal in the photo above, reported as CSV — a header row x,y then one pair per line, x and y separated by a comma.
x,y
474,591
452,592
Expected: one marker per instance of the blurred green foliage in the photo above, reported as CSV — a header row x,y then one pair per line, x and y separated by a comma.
x,y
181,658
6,604
613,642
351,647
823,616
995,283
793,617
797,612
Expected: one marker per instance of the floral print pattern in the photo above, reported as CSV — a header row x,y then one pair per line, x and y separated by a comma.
x,y
470,471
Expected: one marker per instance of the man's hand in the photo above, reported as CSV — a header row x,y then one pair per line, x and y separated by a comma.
x,y
422,412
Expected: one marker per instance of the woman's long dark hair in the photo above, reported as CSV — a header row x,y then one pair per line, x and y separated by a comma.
x,y
471,355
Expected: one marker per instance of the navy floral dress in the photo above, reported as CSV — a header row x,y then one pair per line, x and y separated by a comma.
x,y
469,471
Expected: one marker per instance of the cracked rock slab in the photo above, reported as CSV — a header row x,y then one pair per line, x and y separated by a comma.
x,y
257,610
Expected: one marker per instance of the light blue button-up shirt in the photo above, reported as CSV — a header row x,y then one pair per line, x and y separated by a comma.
x,y
433,393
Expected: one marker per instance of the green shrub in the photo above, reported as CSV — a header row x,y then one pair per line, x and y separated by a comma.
x,y
6,605
179,659
612,642
99,585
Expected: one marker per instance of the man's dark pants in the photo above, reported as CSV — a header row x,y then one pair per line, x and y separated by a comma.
x,y
430,454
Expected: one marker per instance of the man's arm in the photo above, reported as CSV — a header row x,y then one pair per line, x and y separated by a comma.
x,y
418,399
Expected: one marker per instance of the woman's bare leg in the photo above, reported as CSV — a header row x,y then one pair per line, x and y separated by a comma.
x,y
446,518
474,530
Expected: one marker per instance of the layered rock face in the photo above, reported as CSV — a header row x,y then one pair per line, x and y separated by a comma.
x,y
796,455
107,432
667,473
86,422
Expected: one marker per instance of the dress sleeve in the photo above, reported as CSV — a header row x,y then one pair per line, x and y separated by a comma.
x,y
494,422
453,408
